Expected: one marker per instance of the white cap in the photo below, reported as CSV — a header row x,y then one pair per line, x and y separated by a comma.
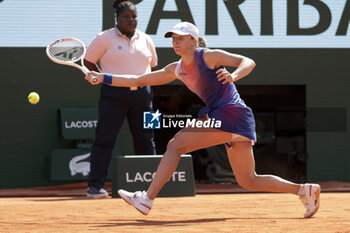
x,y
184,28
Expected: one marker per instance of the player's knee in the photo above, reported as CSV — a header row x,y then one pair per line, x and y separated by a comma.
x,y
247,181
175,147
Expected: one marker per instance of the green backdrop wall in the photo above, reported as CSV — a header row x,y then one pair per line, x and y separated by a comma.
x,y
30,132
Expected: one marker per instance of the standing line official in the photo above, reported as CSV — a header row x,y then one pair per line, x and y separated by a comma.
x,y
120,50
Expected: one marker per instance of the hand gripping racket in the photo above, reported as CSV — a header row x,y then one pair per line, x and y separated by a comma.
x,y
68,51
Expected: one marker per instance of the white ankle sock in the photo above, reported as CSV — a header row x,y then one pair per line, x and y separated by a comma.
x,y
301,190
147,198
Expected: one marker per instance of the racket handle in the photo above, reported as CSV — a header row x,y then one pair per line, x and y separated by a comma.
x,y
94,80
85,71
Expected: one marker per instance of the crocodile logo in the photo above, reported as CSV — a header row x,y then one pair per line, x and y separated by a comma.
x,y
76,166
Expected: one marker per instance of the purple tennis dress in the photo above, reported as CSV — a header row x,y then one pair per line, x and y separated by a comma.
x,y
222,100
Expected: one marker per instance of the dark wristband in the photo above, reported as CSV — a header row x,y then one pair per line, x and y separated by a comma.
x,y
107,78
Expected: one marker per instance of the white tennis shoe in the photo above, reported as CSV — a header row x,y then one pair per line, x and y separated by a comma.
x,y
138,199
309,195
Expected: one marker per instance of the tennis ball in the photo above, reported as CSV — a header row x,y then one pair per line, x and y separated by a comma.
x,y
33,98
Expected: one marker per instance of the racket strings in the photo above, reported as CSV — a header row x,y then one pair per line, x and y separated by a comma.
x,y
67,51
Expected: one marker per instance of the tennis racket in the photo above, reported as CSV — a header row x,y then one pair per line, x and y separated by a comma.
x,y
68,51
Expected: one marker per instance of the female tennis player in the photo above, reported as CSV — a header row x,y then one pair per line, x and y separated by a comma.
x,y
203,72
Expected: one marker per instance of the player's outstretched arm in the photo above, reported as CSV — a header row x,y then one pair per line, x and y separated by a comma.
x,y
159,77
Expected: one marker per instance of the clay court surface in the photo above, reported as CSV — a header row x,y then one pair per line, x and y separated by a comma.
x,y
239,212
